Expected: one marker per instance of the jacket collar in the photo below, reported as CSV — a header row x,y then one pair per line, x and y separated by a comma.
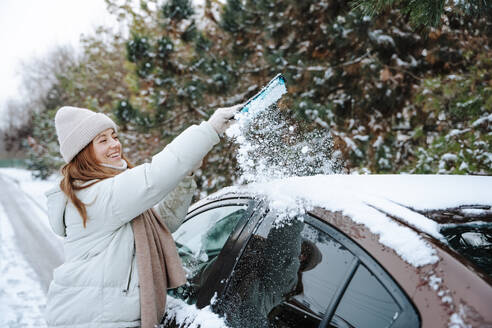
x,y
123,166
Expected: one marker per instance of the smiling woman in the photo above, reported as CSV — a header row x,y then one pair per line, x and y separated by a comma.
x,y
120,254
107,148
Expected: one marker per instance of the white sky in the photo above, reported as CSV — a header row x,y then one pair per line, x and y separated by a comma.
x,y
31,27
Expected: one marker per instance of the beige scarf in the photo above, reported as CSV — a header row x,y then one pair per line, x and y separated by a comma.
x,y
159,266
158,263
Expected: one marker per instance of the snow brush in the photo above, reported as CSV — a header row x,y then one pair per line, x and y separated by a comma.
x,y
267,96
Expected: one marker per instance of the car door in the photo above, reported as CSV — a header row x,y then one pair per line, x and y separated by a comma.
x,y
205,244
306,273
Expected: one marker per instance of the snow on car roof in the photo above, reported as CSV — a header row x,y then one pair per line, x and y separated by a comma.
x,y
372,199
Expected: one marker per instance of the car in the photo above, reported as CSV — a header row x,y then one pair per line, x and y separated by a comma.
x,y
342,251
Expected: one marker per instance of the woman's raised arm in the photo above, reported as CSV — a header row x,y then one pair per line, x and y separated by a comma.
x,y
141,187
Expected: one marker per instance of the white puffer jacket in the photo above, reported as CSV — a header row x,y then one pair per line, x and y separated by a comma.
x,y
97,286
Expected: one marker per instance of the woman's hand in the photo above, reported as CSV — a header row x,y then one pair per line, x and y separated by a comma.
x,y
221,119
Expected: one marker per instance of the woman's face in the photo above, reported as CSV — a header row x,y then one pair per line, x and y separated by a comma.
x,y
107,148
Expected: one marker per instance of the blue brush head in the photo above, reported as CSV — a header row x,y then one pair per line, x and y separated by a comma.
x,y
277,84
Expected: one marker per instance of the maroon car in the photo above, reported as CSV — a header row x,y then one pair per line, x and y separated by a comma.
x,y
342,251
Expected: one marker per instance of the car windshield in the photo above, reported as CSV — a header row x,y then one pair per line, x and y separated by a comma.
x,y
473,241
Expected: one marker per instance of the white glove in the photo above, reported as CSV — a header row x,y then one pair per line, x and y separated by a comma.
x,y
222,118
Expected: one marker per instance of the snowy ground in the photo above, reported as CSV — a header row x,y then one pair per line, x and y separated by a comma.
x,y
23,270
22,295
22,299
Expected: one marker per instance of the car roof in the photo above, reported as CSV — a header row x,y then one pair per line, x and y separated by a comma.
x,y
383,203
442,198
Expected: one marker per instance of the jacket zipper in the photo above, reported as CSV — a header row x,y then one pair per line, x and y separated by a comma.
x,y
130,273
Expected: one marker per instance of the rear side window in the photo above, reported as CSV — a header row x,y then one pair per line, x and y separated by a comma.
x,y
324,264
305,274
366,303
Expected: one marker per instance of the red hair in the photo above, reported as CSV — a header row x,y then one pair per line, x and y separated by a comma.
x,y
84,167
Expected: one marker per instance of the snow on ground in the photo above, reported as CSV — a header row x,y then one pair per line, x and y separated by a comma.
x,y
22,300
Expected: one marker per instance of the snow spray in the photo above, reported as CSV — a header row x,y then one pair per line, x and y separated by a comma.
x,y
272,146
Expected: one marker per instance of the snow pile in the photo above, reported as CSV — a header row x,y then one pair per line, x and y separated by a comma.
x,y
422,192
22,300
189,316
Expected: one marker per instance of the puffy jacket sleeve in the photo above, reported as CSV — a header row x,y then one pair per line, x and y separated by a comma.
x,y
173,208
142,187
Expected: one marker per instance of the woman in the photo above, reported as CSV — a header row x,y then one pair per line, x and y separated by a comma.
x,y
120,256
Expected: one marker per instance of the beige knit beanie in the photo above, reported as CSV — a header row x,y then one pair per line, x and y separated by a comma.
x,y
76,127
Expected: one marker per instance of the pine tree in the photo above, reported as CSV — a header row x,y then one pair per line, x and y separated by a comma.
x,y
177,9
381,90
426,13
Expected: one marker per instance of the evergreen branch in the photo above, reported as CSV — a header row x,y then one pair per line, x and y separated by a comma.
x,y
424,13
324,68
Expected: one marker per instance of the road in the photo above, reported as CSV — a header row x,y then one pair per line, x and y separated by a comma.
x,y
40,247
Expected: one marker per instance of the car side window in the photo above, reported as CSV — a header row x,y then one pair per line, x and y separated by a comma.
x,y
301,275
199,240
324,266
365,303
